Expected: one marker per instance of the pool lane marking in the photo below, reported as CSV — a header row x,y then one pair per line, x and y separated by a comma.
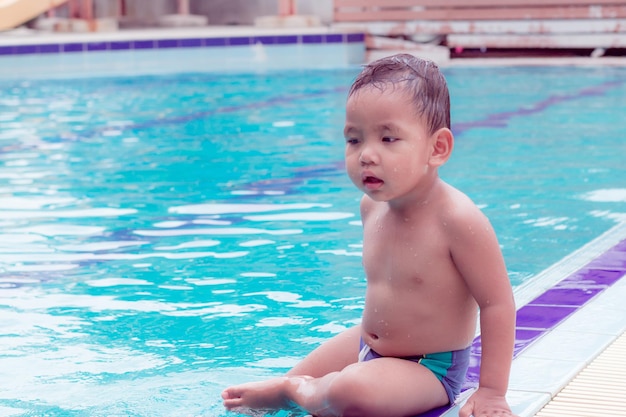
x,y
501,119
272,101
494,120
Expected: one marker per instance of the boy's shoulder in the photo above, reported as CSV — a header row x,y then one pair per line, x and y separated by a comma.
x,y
459,208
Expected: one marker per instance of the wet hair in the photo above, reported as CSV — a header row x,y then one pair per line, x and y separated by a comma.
x,y
421,78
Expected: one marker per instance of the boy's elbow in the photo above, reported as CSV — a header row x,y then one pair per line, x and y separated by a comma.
x,y
504,308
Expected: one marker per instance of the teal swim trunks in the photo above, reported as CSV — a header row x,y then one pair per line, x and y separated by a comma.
x,y
449,367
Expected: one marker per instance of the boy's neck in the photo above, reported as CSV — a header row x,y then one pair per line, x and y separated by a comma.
x,y
418,199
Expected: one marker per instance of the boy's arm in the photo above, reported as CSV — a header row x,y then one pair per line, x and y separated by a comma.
x,y
476,254
497,347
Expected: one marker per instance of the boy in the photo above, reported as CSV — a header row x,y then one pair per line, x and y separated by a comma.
x,y
431,260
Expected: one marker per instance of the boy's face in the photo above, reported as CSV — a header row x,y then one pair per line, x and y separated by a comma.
x,y
387,143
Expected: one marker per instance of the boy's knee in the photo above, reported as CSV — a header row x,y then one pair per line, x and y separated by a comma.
x,y
350,395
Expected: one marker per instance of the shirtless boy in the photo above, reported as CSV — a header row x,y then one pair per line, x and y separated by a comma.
x,y
431,259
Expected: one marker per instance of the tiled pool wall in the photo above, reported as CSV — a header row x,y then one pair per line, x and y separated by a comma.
x,y
157,52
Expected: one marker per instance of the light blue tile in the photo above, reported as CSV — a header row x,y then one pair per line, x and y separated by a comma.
x,y
569,346
526,404
542,375
614,297
599,316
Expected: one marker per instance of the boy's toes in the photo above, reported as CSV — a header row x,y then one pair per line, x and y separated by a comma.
x,y
231,398
233,403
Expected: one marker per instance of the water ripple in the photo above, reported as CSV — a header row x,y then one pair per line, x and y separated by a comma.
x,y
241,208
236,231
305,216
82,257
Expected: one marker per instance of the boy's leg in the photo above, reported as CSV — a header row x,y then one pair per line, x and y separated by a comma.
x,y
385,387
331,356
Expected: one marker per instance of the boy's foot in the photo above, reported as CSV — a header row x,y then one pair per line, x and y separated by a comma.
x,y
267,395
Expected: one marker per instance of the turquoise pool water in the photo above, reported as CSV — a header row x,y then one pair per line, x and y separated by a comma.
x,y
164,237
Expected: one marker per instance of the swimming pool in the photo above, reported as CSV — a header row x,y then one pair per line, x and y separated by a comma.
x,y
166,236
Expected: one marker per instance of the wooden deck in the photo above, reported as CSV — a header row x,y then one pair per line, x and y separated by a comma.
x,y
482,24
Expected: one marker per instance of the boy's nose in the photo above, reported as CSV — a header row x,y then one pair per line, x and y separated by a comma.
x,y
367,156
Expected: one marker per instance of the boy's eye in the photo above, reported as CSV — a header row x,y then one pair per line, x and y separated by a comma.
x,y
352,141
389,139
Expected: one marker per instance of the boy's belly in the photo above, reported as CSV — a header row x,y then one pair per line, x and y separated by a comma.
x,y
393,330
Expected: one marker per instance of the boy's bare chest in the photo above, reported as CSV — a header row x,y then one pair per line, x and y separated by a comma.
x,y
404,250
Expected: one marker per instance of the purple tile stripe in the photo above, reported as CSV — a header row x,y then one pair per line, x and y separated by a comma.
x,y
59,48
548,310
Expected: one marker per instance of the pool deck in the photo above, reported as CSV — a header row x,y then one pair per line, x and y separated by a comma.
x,y
568,315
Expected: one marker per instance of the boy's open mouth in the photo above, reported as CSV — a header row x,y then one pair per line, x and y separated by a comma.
x,y
372,182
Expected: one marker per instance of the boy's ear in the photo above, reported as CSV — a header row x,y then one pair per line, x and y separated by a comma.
x,y
442,145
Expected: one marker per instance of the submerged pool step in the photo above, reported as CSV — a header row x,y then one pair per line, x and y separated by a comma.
x,y
598,390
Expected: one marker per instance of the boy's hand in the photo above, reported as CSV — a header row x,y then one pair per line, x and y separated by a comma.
x,y
486,403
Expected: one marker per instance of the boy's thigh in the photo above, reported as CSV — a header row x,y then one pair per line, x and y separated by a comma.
x,y
396,386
